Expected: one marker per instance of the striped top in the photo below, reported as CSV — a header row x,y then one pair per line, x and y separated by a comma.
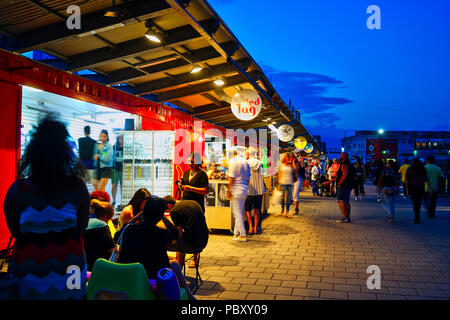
x,y
48,256
256,185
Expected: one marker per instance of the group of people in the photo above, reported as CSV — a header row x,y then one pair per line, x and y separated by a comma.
x,y
420,182
57,224
102,160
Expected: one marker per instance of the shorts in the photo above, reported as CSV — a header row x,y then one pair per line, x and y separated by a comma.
x,y
116,176
253,202
104,173
343,194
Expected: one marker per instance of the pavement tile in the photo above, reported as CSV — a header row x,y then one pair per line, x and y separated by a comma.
x,y
312,257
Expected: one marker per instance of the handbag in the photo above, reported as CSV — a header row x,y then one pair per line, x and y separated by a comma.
x,y
8,284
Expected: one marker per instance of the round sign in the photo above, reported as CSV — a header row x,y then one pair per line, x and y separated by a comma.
x,y
300,142
285,133
246,105
371,147
309,148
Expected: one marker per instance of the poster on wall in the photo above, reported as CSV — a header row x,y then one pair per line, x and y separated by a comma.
x,y
246,105
211,196
222,200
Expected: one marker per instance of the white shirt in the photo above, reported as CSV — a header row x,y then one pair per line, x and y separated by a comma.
x,y
314,170
240,171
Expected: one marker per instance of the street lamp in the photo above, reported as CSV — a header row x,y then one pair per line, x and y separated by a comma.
x,y
380,131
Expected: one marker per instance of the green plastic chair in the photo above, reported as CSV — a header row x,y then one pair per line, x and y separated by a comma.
x,y
129,278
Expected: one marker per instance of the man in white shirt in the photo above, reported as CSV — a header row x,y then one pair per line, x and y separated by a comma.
x,y
238,178
315,174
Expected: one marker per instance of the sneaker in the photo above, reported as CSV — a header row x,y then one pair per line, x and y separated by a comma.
x,y
235,238
356,198
343,220
242,239
378,199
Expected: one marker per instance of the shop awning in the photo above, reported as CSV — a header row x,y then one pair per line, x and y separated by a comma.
x,y
114,51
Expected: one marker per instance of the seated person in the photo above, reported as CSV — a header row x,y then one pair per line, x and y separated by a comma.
x,y
104,196
145,243
134,207
189,221
98,242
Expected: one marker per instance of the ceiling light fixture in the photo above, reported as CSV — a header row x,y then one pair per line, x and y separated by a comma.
x,y
219,82
153,33
196,68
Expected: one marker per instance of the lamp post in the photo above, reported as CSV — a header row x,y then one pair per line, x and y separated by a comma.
x,y
380,132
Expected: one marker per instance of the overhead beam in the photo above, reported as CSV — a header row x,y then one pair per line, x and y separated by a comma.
x,y
210,108
91,22
197,56
188,77
183,106
135,47
203,87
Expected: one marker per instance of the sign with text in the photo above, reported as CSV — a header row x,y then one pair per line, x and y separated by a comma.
x,y
308,148
300,142
285,133
246,105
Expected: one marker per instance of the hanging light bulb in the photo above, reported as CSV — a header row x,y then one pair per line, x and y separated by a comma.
x,y
219,82
196,68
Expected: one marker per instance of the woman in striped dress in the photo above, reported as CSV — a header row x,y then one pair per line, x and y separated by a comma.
x,y
46,211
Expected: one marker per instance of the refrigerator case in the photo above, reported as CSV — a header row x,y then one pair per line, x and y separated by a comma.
x,y
147,163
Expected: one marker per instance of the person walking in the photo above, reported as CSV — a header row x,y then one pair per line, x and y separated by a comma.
x,y
315,175
86,148
436,178
256,190
104,157
117,168
300,172
415,180
403,169
238,179
360,177
344,184
378,170
286,178
47,211
389,187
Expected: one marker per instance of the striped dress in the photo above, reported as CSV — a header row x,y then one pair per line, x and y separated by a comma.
x,y
48,256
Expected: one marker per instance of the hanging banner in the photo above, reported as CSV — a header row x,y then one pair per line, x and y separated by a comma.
x,y
300,142
285,133
308,148
246,105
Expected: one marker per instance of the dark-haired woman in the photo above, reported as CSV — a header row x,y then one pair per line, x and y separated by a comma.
x,y
194,183
47,210
415,179
98,241
104,156
135,206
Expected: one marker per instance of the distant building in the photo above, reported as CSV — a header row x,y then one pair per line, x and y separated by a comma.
x,y
399,145
322,144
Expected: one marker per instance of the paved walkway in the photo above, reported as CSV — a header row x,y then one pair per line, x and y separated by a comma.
x,y
313,257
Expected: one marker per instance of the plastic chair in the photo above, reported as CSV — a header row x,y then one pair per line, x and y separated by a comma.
x,y
129,278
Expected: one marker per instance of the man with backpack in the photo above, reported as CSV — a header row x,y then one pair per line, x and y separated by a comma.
x,y
344,183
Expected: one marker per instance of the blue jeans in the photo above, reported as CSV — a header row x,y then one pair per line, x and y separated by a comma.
x,y
315,190
286,189
389,200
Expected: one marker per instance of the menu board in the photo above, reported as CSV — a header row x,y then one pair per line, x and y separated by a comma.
x,y
211,196
222,200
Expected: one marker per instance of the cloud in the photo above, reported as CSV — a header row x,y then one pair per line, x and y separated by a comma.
x,y
306,90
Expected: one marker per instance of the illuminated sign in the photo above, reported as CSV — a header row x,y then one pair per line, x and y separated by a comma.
x,y
285,133
246,105
300,142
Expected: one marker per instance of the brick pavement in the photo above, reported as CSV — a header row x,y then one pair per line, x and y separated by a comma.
x,y
313,257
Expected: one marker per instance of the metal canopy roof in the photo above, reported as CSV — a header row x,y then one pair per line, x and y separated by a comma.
x,y
121,56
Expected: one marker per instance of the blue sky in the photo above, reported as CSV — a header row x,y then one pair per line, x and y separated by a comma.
x,y
343,76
